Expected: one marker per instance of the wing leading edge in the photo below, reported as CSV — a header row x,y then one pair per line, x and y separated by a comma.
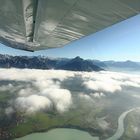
x,y
42,24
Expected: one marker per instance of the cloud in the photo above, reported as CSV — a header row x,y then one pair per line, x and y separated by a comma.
x,y
110,81
33,74
84,96
60,97
103,85
32,103
97,95
26,92
6,87
44,93
9,110
46,89
48,94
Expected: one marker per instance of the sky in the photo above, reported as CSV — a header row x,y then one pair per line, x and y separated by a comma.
x,y
119,42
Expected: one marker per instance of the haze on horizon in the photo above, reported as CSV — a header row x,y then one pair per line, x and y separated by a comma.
x,y
119,42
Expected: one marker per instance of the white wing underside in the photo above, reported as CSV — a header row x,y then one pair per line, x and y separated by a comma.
x,y
43,24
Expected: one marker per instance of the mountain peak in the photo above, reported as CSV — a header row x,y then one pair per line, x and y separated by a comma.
x,y
79,64
78,58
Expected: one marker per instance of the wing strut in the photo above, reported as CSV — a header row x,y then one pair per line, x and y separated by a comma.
x,y
29,13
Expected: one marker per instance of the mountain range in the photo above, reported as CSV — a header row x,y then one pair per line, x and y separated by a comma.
x,y
74,64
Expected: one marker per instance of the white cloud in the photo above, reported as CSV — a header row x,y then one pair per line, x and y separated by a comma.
x,y
106,81
6,87
26,92
85,96
45,84
49,92
97,95
9,110
33,74
60,97
45,92
33,103
103,85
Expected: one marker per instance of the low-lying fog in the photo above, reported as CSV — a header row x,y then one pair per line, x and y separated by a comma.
x,y
45,90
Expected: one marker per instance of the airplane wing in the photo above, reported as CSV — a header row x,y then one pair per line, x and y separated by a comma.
x,y
42,24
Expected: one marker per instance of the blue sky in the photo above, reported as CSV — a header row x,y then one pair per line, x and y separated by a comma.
x,y
119,42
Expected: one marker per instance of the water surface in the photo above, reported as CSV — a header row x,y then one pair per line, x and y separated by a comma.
x,y
60,134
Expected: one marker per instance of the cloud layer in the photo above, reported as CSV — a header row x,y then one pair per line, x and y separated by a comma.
x,y
111,82
46,91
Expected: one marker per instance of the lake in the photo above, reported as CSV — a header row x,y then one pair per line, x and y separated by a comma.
x,y
60,134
